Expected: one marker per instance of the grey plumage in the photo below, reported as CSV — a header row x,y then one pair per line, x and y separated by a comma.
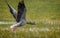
x,y
21,11
12,10
20,14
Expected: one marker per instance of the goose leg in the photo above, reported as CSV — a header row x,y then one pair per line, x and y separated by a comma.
x,y
30,22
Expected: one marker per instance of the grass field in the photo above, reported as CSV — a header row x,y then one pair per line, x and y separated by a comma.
x,y
46,13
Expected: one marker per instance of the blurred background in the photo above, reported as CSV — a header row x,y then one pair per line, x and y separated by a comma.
x,y
46,13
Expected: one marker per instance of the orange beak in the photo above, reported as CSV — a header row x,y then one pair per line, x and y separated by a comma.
x,y
14,29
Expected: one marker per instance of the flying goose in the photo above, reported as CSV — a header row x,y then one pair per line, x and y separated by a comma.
x,y
19,15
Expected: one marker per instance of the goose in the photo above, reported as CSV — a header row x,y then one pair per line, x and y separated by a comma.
x,y
19,16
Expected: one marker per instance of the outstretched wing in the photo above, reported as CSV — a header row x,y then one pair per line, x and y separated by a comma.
x,y
21,11
12,10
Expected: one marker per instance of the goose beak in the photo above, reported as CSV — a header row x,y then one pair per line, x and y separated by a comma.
x,y
13,28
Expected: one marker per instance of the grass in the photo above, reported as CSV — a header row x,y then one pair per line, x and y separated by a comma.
x,y
45,12
26,32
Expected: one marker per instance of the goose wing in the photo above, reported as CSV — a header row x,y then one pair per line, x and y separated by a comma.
x,y
21,11
12,10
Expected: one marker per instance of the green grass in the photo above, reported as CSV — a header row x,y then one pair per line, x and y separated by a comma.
x,y
27,33
40,11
